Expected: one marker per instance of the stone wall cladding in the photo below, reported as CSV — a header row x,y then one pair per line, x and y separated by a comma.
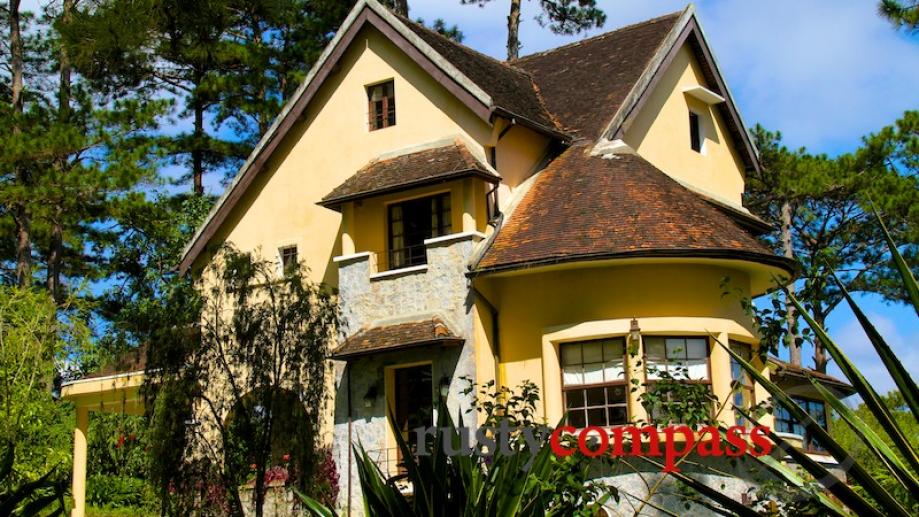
x,y
368,298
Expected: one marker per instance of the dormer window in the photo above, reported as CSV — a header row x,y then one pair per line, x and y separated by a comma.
x,y
382,105
695,132
410,223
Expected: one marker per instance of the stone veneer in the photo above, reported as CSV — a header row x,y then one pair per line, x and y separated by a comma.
x,y
368,297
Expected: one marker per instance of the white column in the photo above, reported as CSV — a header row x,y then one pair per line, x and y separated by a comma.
x,y
79,463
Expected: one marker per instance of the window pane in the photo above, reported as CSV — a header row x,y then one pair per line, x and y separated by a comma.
x,y
571,354
654,346
676,348
615,395
573,375
617,415
596,416
593,373
696,348
574,398
593,352
613,349
596,397
614,371
697,369
577,418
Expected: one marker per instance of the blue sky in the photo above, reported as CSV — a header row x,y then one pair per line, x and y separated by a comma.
x,y
824,73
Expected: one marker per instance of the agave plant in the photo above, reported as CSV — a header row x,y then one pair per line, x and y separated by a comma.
x,y
32,498
897,456
470,485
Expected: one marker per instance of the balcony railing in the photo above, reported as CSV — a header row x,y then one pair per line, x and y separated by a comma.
x,y
399,258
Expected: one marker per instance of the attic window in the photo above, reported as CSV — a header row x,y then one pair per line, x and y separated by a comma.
x,y
695,132
382,105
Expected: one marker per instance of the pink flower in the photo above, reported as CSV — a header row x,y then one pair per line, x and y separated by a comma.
x,y
285,457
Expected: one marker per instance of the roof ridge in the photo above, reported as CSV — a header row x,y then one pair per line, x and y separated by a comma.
x,y
657,19
497,61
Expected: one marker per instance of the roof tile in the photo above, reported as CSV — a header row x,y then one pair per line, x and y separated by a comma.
x,y
387,338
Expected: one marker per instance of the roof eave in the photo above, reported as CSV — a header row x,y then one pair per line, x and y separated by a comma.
x,y
479,101
335,203
787,265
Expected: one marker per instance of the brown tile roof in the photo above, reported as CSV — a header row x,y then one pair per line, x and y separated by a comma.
x,y
584,207
585,83
409,170
510,88
132,360
788,370
396,337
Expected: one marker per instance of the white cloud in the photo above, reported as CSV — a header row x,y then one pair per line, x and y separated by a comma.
x,y
823,72
855,344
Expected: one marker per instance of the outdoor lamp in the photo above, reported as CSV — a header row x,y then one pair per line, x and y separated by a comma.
x,y
634,333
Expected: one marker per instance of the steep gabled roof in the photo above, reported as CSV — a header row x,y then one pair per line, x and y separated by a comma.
x,y
592,89
585,83
409,170
585,207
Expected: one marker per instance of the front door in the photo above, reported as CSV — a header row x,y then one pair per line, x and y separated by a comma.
x,y
414,394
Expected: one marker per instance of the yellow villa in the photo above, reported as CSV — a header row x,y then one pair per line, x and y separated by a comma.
x,y
506,221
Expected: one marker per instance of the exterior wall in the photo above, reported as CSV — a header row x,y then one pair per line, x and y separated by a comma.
x,y
518,154
539,311
660,134
368,298
333,141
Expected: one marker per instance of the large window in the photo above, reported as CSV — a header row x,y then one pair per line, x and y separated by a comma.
x,y
410,223
682,358
678,376
382,105
786,423
741,382
594,383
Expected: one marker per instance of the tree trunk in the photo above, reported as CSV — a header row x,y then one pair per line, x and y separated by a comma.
x,y
21,214
56,252
197,153
401,7
513,25
792,339
820,357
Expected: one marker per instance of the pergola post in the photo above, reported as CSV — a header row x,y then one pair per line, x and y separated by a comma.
x,y
79,462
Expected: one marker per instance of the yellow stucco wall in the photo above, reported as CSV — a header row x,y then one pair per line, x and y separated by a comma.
x,y
332,141
538,311
660,134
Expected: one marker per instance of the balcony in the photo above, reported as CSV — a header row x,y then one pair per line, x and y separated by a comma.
x,y
426,279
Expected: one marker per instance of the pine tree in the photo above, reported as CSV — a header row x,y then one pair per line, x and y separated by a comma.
x,y
561,16
903,15
821,209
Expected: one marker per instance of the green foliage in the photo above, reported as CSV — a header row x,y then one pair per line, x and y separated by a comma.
x,y
821,210
902,14
440,26
517,483
876,443
253,371
106,491
29,498
672,400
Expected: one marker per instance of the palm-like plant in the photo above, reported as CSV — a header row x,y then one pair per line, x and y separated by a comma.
x,y
896,454
469,485
32,498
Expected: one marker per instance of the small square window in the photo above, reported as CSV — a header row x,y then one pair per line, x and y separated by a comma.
x,y
289,259
381,99
695,132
